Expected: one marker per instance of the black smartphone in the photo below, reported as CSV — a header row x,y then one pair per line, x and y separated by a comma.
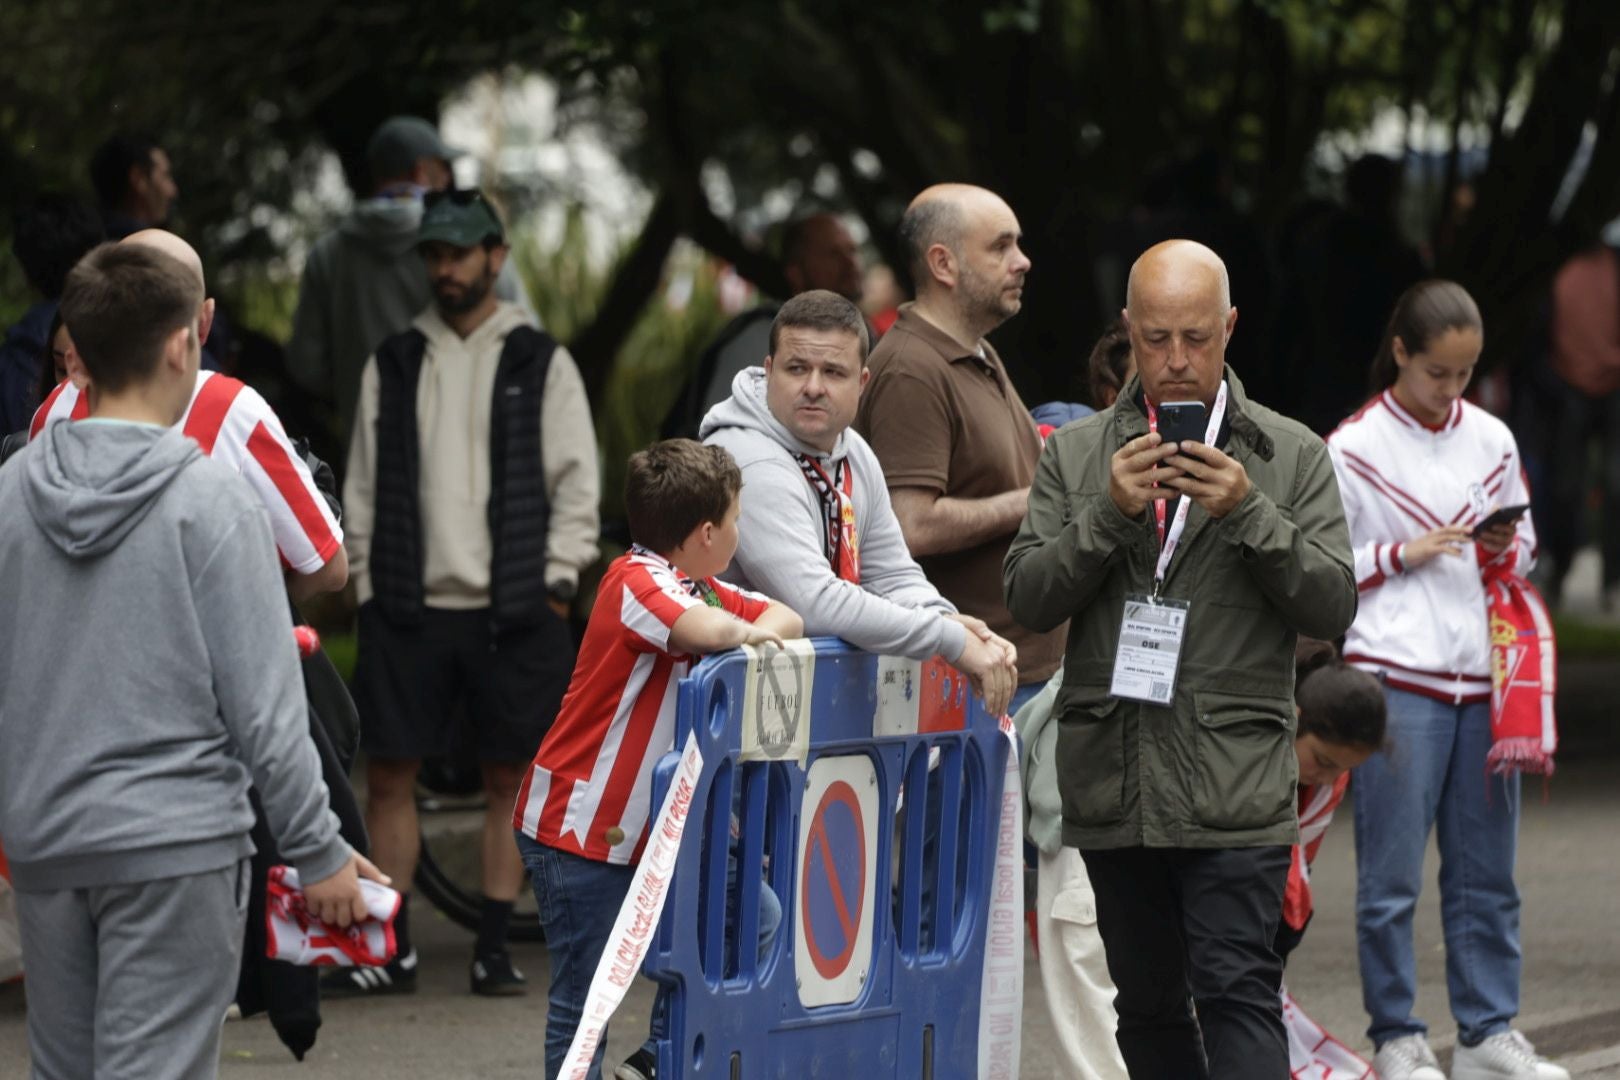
x,y
1183,421
1505,515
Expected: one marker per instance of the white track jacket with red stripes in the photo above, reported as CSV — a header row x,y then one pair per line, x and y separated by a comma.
x,y
1425,629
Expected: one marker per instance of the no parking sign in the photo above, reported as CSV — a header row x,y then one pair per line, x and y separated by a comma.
x,y
836,879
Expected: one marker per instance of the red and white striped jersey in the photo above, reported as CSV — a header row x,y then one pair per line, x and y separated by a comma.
x,y
236,426
1425,629
589,791
1316,805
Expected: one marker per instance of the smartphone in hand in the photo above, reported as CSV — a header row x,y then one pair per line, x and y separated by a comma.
x,y
1183,421
1505,515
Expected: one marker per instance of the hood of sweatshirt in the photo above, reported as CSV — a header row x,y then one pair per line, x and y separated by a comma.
x,y
385,224
746,408
87,484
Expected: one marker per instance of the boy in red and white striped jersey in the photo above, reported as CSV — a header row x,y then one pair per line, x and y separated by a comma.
x,y
582,812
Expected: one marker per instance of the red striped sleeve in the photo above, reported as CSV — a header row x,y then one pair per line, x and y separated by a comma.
x,y
747,606
275,459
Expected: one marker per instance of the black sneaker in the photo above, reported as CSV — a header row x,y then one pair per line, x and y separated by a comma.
x,y
641,1065
494,976
398,976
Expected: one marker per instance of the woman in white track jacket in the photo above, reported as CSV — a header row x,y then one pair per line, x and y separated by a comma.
x,y
1419,468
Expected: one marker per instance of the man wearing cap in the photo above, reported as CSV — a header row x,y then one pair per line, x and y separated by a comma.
x,y
471,498
364,281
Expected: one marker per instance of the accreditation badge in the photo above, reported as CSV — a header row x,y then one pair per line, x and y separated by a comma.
x,y
1150,636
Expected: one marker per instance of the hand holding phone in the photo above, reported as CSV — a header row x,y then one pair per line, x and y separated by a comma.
x,y
1505,515
1183,421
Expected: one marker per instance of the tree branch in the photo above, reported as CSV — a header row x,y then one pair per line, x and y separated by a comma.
x,y
715,236
634,281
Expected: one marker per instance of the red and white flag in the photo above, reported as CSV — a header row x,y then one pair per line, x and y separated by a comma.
x,y
298,937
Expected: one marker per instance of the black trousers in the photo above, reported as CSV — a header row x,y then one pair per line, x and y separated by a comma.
x,y
1185,928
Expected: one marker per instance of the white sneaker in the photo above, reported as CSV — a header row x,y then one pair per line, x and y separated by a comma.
x,y
1504,1056
1407,1058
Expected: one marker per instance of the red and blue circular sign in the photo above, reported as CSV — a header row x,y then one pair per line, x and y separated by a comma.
x,y
832,880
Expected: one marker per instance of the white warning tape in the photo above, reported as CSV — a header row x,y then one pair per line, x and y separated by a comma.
x,y
1001,993
632,931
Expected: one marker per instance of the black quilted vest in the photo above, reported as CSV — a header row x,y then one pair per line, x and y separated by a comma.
x,y
518,510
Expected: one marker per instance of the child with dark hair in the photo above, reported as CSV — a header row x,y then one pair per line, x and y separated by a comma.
x,y
1341,724
583,811
1110,365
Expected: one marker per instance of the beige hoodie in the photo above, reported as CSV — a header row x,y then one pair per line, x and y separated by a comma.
x,y
453,399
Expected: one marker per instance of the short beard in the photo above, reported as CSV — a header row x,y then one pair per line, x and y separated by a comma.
x,y
468,300
985,304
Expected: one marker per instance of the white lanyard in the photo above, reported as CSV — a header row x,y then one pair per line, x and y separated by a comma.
x,y
1172,536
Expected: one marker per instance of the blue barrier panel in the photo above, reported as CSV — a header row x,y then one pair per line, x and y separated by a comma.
x,y
878,962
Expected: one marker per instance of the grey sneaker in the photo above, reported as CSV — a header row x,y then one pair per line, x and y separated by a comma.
x,y
1504,1056
1407,1058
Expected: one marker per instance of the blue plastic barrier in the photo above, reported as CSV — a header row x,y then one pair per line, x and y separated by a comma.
x,y
916,981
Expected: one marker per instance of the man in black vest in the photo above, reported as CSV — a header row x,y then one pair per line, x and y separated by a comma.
x,y
471,498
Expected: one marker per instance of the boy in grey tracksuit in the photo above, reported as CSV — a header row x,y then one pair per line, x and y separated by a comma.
x,y
149,680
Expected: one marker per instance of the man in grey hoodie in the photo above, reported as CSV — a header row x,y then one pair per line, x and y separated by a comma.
x,y
364,280
817,531
149,569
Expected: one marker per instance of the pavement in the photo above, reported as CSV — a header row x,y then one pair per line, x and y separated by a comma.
x,y
1568,873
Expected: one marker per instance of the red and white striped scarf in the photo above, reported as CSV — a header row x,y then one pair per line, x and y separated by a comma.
x,y
1524,677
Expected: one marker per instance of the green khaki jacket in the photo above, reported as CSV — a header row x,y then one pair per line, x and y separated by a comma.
x,y
1216,768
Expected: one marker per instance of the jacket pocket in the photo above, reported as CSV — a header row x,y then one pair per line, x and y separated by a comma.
x,y
1091,758
1245,778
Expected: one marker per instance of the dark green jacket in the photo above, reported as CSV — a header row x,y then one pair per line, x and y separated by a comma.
x,y
1216,768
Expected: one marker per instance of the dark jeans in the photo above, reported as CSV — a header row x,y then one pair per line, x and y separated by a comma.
x,y
1182,923
579,902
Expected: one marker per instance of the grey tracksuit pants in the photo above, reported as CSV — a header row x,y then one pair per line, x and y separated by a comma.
x,y
132,980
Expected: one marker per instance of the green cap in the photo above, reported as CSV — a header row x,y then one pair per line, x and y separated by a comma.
x,y
462,218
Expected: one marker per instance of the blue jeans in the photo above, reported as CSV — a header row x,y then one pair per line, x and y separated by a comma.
x,y
1432,775
579,901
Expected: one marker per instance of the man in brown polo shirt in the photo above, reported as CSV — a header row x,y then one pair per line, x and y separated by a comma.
x,y
957,445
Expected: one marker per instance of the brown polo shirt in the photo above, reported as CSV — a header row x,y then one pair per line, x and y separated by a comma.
x,y
945,418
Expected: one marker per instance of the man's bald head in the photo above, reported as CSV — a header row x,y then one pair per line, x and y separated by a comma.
x,y
1180,265
962,243
937,216
1178,310
171,245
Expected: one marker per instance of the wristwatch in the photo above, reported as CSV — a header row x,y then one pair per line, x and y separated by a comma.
x,y
562,591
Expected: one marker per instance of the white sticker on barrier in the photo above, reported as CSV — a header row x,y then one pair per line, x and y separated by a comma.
x,y
899,688
638,917
1001,994
776,702
917,697
836,882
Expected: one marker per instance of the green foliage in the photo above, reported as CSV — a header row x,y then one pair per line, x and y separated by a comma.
x,y
651,367
1579,639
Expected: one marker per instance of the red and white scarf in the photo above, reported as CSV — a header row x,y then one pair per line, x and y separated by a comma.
x,y
1524,677
836,493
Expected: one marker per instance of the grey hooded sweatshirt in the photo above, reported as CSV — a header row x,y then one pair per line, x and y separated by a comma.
x,y
363,282
147,668
894,610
